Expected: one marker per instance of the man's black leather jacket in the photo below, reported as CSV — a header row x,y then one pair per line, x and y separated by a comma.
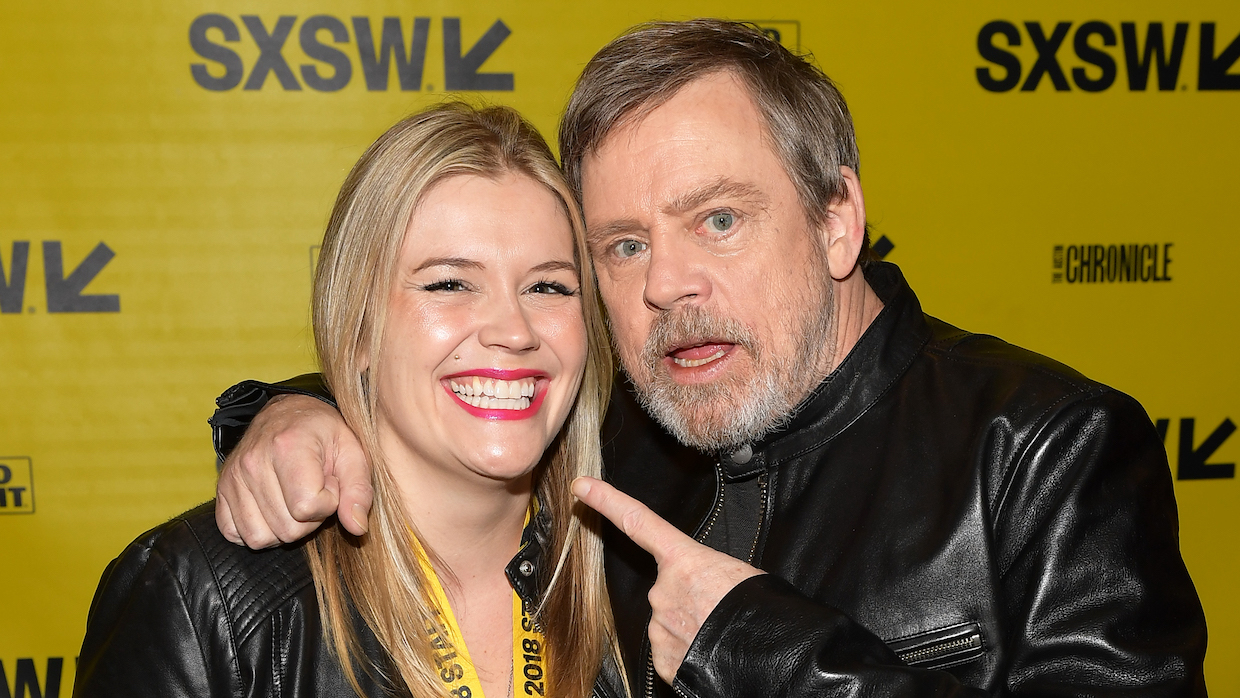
x,y
947,514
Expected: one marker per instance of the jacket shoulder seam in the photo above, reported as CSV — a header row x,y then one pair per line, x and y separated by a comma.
x,y
180,521
254,606
1043,422
219,590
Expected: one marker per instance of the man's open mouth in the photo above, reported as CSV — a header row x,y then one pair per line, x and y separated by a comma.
x,y
699,354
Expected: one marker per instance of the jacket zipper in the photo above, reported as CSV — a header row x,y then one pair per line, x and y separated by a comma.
x,y
702,533
700,537
921,654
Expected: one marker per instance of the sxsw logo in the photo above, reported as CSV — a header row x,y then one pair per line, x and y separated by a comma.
x,y
1192,462
1151,55
64,293
16,486
336,46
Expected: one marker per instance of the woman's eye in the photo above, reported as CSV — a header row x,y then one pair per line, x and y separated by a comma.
x,y
720,222
449,285
552,288
628,248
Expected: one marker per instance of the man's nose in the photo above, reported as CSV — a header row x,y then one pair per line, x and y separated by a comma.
x,y
507,327
676,274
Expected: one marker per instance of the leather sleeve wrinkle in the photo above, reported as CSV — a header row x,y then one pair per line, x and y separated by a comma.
x,y
766,638
229,618
1040,437
1092,566
142,629
238,405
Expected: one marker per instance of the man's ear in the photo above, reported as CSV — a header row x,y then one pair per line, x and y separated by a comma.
x,y
844,229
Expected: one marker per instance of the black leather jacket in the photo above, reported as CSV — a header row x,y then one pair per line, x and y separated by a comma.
x,y
947,514
182,612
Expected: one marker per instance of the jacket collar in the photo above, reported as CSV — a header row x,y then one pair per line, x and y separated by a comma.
x,y
524,571
880,357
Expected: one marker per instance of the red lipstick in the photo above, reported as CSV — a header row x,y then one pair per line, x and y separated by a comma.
x,y
540,391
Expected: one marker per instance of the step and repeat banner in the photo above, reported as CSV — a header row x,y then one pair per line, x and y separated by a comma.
x,y
1060,174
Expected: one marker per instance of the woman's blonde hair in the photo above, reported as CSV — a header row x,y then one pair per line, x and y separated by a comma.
x,y
379,574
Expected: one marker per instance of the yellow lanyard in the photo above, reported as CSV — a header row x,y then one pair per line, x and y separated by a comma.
x,y
456,669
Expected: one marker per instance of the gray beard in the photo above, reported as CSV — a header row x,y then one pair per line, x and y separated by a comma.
x,y
733,410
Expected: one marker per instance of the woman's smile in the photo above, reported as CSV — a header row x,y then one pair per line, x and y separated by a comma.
x,y
491,393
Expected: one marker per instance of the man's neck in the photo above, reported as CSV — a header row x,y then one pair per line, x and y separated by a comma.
x,y
856,306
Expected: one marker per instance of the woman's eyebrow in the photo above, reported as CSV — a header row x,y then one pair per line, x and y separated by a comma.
x,y
555,265
455,262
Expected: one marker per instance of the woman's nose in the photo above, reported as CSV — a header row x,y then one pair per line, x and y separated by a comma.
x,y
507,327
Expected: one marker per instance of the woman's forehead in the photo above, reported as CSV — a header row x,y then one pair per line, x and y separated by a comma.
x,y
472,217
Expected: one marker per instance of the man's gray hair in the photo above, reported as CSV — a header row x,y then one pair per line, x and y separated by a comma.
x,y
807,120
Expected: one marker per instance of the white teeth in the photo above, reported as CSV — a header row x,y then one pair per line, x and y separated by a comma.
x,y
690,363
494,394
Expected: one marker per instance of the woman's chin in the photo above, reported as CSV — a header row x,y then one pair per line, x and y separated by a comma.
x,y
504,466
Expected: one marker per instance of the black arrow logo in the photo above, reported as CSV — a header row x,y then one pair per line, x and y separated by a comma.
x,y
461,71
1212,71
1192,464
13,289
64,294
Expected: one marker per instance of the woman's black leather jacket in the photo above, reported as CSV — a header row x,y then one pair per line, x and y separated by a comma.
x,y
185,613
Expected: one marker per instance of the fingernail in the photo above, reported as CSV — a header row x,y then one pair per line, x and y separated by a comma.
x,y
581,487
359,516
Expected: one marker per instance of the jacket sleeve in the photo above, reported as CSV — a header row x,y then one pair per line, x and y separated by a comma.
x,y
142,638
236,408
1095,598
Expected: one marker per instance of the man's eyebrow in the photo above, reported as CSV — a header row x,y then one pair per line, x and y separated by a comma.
x,y
722,187
455,262
599,233
555,265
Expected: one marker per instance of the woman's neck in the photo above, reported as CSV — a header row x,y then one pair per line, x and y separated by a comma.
x,y
472,524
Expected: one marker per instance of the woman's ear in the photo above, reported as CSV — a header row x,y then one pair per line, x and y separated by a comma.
x,y
844,229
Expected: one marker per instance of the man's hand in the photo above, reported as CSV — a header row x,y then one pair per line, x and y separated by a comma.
x,y
692,577
296,465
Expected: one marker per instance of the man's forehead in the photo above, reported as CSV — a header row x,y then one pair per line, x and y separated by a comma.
x,y
702,100
710,135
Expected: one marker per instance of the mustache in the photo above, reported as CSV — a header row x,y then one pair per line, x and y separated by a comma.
x,y
689,325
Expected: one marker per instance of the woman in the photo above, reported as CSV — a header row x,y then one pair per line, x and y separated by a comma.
x,y
457,325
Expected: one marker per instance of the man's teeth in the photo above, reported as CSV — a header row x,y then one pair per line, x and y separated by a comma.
x,y
690,363
494,394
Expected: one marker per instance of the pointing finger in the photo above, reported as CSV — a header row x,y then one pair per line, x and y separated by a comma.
x,y
644,527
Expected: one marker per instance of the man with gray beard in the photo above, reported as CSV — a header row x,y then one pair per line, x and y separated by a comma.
x,y
841,495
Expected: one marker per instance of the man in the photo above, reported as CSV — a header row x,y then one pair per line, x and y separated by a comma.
x,y
935,512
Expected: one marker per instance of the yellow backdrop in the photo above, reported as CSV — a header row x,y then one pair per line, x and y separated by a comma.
x,y
1060,174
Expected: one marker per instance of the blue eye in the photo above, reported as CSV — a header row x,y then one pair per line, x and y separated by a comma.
x,y
628,248
720,222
